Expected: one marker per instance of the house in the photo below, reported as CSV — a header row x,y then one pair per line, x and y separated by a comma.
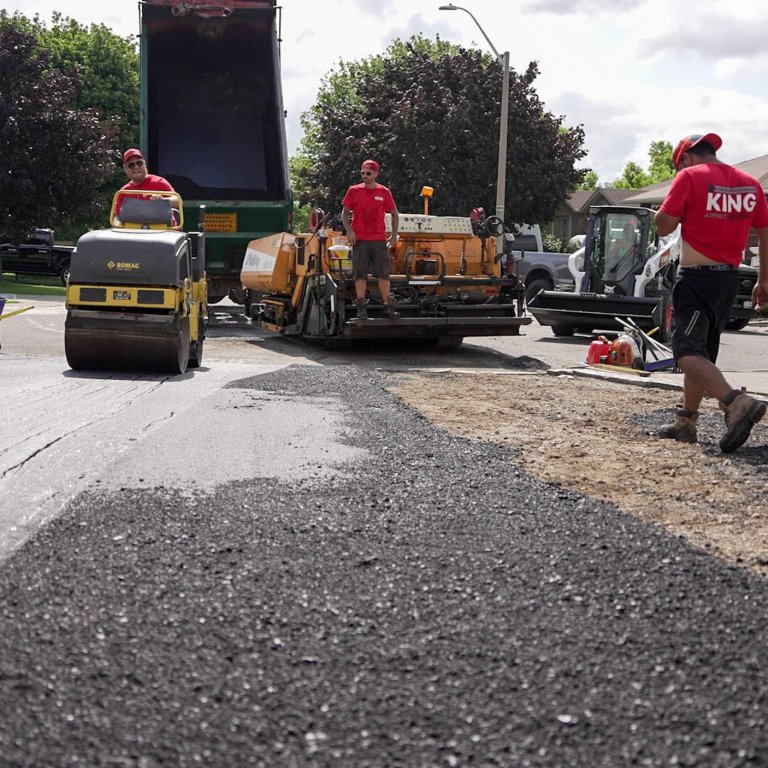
x,y
654,195
571,215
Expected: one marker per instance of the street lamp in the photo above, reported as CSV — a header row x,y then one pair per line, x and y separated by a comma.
x,y
501,177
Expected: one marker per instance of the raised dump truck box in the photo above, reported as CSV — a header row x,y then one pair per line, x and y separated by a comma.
x,y
213,123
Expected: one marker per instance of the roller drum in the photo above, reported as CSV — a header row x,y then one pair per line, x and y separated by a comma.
x,y
94,342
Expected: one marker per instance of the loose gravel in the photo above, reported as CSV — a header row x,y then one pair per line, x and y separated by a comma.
x,y
429,605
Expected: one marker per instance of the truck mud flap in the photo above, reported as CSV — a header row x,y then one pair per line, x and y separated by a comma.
x,y
592,311
111,341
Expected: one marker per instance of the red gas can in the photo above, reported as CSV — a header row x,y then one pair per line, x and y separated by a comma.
x,y
599,351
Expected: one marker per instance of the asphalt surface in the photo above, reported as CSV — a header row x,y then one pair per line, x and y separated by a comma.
x,y
424,604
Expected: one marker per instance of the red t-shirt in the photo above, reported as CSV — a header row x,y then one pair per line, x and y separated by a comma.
x,y
369,207
151,183
717,205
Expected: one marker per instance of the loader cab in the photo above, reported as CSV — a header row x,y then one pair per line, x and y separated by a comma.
x,y
616,248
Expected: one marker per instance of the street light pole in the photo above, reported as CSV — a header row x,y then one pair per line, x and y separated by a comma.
x,y
501,175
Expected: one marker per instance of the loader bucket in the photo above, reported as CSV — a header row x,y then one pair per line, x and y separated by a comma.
x,y
588,312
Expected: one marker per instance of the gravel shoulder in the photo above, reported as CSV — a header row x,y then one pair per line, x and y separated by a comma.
x,y
598,438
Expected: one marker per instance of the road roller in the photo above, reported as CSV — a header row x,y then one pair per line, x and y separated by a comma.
x,y
136,297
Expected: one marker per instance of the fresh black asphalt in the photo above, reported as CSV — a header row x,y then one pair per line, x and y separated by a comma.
x,y
428,605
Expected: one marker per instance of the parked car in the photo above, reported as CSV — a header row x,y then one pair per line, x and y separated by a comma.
x,y
37,255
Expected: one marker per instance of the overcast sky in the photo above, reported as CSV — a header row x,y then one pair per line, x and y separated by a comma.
x,y
629,71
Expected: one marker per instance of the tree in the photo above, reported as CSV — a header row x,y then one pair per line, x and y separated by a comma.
x,y
660,168
428,111
633,177
590,181
54,156
106,67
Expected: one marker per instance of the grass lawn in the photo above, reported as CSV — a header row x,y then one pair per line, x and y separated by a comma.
x,y
30,285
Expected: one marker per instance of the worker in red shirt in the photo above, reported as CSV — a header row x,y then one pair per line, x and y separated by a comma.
x,y
716,206
363,209
135,168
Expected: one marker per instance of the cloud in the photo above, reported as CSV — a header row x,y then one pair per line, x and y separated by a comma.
x,y
569,8
713,37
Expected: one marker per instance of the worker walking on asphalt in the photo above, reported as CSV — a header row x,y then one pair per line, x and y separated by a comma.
x,y
716,204
363,209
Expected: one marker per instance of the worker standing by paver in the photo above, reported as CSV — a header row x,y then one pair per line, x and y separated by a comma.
x,y
716,204
363,209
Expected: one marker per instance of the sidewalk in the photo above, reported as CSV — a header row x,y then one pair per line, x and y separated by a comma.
x,y
756,382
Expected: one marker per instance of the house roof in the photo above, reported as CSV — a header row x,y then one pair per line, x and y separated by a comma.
x,y
655,193
582,199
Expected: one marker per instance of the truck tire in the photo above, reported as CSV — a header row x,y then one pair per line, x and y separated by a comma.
x,y
735,324
64,273
540,284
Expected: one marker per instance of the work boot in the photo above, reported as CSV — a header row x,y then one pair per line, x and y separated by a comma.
x,y
742,412
683,428
391,312
362,312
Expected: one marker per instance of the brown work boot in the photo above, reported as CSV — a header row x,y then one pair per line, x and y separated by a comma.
x,y
391,312
362,312
683,428
742,412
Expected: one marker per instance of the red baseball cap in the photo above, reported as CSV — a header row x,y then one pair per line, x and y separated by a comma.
x,y
129,153
370,165
689,142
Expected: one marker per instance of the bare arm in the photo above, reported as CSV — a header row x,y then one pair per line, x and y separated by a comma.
x,y
346,220
760,291
395,227
666,224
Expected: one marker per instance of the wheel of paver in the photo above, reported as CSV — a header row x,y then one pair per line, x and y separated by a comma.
x,y
196,347
563,330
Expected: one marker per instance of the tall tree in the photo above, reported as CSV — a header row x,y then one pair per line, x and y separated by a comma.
x,y
428,111
106,67
54,157
590,181
660,168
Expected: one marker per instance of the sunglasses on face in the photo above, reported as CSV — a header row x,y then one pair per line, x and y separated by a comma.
x,y
135,164
367,173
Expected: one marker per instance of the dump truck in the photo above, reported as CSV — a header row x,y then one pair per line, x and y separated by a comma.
x,y
136,296
213,123
446,283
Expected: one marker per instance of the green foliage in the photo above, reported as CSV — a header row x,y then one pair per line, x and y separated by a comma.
x,y
659,169
101,72
428,111
107,67
29,285
633,177
56,156
552,244
590,181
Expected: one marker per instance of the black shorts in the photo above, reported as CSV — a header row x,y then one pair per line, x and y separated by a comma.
x,y
702,300
371,257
